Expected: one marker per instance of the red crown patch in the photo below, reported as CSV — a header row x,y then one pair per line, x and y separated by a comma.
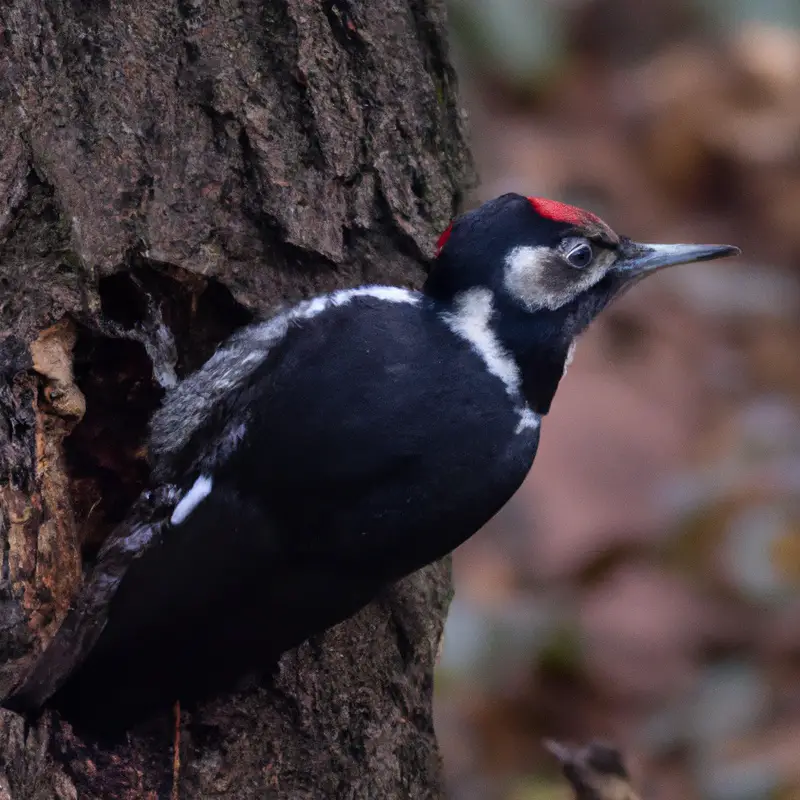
x,y
561,212
442,241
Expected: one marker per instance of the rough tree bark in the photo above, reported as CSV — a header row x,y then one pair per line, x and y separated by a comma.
x,y
168,170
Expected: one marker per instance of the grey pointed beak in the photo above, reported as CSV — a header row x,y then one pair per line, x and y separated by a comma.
x,y
638,260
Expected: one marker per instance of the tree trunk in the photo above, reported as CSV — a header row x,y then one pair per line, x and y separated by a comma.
x,y
170,169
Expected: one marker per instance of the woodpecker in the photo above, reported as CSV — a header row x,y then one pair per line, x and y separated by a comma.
x,y
325,453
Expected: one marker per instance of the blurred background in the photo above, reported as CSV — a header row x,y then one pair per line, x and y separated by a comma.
x,y
644,584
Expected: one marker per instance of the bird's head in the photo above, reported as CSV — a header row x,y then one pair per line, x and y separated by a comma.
x,y
547,258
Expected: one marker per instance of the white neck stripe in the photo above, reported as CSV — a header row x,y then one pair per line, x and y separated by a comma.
x,y
470,321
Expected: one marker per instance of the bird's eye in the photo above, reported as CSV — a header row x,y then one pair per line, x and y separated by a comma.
x,y
580,255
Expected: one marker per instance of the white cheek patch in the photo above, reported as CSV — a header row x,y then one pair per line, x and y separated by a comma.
x,y
199,491
526,279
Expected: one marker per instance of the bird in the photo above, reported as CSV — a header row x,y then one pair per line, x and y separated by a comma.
x,y
326,452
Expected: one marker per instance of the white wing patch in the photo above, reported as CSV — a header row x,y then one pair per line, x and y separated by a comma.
x,y
389,294
189,502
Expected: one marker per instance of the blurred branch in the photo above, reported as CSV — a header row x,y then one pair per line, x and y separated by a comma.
x,y
595,772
